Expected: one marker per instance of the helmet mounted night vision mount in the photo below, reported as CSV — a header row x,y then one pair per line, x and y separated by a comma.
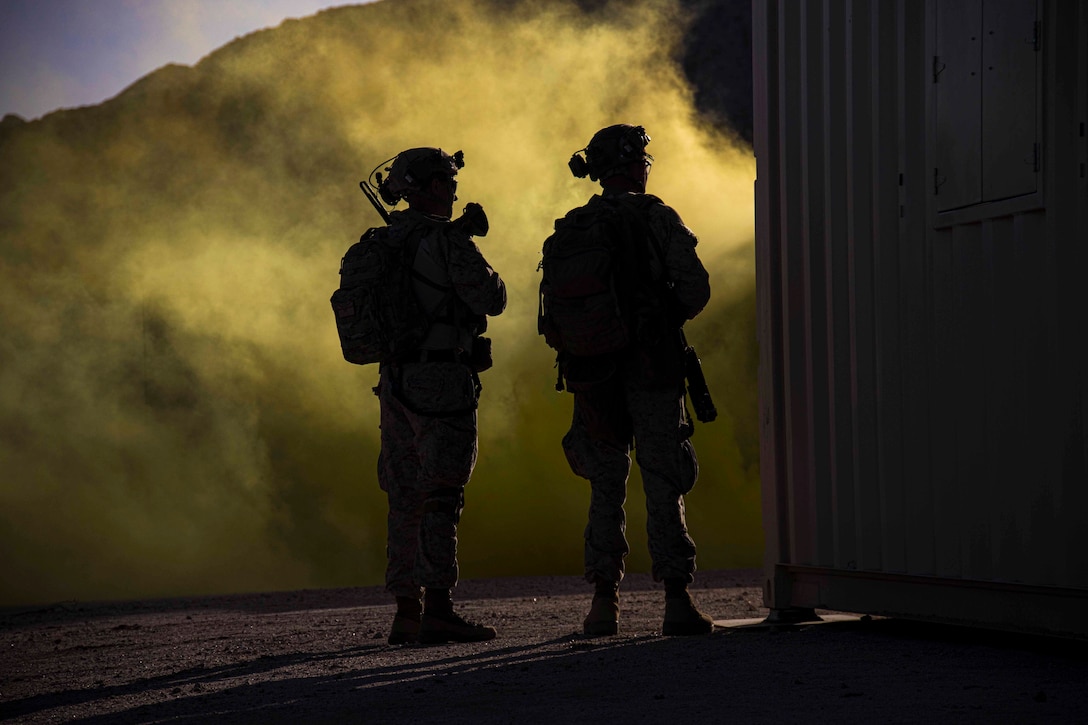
x,y
410,170
610,149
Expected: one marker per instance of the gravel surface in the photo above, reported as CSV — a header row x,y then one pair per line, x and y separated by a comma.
x,y
321,656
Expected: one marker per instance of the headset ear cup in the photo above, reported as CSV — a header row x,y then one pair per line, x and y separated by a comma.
x,y
387,196
578,166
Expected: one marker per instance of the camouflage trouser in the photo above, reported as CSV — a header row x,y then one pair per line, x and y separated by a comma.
x,y
428,435
666,458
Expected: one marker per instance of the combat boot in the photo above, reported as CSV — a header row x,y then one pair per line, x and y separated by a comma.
x,y
440,624
682,617
603,619
405,628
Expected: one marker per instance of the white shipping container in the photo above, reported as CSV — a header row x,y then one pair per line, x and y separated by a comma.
x,y
922,267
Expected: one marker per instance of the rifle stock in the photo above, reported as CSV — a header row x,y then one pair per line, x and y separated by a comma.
x,y
697,388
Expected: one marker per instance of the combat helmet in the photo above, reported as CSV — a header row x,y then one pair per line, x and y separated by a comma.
x,y
609,151
412,169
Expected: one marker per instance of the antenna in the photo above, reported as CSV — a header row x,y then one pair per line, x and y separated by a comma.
x,y
373,197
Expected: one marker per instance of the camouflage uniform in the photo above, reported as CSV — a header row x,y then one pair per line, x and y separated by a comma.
x,y
642,401
428,409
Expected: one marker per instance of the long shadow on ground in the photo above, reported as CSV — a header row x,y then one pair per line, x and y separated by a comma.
x,y
869,671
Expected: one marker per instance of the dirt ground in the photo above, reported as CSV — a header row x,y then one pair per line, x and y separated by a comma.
x,y
321,657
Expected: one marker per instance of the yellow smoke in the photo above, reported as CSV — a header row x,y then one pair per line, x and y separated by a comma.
x,y
176,415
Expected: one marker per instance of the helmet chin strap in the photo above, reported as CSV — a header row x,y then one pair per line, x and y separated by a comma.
x,y
626,180
623,182
428,202
430,205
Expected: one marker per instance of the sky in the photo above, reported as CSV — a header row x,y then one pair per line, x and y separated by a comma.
x,y
68,53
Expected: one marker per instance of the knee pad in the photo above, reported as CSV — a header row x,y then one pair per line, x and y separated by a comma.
x,y
689,467
449,502
574,449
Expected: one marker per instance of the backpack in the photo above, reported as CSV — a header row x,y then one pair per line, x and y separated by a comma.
x,y
378,316
595,287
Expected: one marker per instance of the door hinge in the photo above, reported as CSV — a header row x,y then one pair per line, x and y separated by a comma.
x,y
938,68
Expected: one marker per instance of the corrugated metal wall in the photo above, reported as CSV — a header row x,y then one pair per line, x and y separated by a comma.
x,y
921,266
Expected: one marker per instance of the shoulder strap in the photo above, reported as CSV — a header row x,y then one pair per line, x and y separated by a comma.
x,y
444,306
634,219
410,252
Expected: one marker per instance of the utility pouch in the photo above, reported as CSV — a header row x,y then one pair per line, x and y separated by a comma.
x,y
604,411
586,373
481,354
440,390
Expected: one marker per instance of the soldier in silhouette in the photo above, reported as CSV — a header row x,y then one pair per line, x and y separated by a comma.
x,y
633,397
428,399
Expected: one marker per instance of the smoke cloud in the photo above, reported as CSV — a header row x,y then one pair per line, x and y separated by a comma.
x,y
175,414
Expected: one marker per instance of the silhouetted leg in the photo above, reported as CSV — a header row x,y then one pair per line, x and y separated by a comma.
x,y
606,466
669,470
